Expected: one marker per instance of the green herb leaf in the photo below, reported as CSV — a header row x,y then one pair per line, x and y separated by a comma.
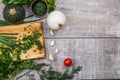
x,y
4,23
51,5
5,2
22,2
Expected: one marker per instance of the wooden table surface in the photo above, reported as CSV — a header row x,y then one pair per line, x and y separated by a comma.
x,y
91,37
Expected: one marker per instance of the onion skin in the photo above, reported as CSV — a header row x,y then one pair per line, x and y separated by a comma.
x,y
56,20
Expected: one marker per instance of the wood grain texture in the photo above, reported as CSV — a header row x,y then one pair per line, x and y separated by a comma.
x,y
89,18
27,29
91,37
98,57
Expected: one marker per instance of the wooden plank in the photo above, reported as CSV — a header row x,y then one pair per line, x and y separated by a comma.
x,y
98,57
27,29
90,36
89,18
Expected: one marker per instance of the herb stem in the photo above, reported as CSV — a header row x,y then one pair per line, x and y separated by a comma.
x,y
7,42
23,74
8,37
12,75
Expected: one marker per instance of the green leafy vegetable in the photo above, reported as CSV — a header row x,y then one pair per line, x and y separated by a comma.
x,y
5,2
4,23
18,47
7,42
51,5
51,74
39,8
9,69
22,2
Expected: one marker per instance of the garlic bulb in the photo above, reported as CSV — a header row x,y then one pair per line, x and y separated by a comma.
x,y
56,20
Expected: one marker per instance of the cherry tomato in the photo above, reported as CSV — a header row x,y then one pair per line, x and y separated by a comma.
x,y
67,62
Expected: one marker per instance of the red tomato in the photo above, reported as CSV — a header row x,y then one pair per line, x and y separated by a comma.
x,y
67,62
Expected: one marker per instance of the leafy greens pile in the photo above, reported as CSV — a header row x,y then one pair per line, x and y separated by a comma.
x,y
16,47
9,69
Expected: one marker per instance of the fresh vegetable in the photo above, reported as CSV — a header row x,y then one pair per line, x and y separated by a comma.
x,y
51,5
51,74
56,20
26,29
7,42
39,8
8,69
22,2
4,23
68,62
15,48
14,13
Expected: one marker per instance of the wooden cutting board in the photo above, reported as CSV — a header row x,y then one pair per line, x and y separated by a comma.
x,y
25,29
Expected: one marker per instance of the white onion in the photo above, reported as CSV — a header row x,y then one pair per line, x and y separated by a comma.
x,y
56,20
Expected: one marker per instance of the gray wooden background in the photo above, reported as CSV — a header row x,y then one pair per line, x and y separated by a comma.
x,y
91,37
